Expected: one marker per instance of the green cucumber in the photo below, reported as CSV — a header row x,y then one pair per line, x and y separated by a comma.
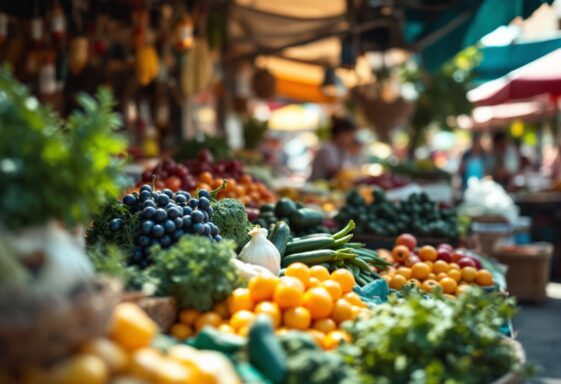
x,y
312,236
280,235
312,244
284,207
311,257
360,264
212,339
265,351
305,218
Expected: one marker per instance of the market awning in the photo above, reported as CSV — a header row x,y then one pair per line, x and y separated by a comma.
x,y
540,77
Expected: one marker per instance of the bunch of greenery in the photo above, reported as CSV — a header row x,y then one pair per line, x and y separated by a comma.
x,y
50,169
419,340
196,271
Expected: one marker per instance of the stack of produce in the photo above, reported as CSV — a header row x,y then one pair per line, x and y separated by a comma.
x,y
385,181
451,270
302,221
307,299
418,215
149,218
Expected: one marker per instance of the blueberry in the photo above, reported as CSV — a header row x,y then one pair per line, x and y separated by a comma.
x,y
178,221
137,256
187,211
209,210
148,212
214,230
149,203
146,227
165,241
180,199
217,238
204,203
162,200
129,199
197,217
160,215
144,195
193,203
197,228
204,193
169,226
174,213
116,224
186,222
205,217
206,229
146,187
168,192
178,233
158,231
144,241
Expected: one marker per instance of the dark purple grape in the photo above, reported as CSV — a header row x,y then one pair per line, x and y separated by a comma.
x,y
165,241
178,221
144,241
209,210
178,233
217,238
146,227
206,229
204,203
197,216
148,212
169,226
197,228
116,224
168,192
213,230
205,217
187,211
129,199
137,256
158,231
174,213
180,199
149,203
204,193
146,187
160,215
144,195
162,200
193,203
186,222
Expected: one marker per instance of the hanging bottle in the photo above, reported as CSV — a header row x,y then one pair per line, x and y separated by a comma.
x,y
36,27
47,76
58,23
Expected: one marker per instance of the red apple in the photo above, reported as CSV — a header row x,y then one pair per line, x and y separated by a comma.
x,y
457,255
476,260
448,247
444,254
466,262
413,259
408,240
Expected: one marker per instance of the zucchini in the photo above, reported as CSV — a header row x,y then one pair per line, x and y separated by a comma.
x,y
312,244
280,235
305,218
265,351
212,339
284,207
312,257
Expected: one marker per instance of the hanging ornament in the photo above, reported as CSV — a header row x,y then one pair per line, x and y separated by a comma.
x,y
47,76
184,33
58,23
79,54
3,27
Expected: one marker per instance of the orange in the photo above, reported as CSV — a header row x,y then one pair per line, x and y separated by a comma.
x,y
181,331
455,274
288,292
342,310
431,276
427,253
270,309
206,177
262,287
484,277
333,287
400,253
317,336
448,285
430,264
246,179
345,278
242,318
319,302
441,276
420,271
240,299
454,266
222,309
314,282
243,331
319,272
189,316
299,271
297,318
414,281
429,285
324,325
405,272
354,299
226,328
334,338
397,281
469,274
210,318
386,277
440,266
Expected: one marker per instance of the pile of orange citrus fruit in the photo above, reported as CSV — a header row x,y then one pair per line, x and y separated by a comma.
x,y
247,190
306,298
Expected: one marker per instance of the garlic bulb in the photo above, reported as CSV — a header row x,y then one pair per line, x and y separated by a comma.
x,y
247,271
260,251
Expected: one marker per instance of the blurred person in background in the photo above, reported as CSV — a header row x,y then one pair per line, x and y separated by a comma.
x,y
474,161
335,154
504,161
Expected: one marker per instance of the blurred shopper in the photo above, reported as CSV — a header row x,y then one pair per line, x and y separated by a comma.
x,y
504,160
336,153
474,161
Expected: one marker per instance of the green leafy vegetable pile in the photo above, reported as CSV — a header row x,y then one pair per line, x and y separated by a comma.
x,y
51,169
230,217
196,271
419,340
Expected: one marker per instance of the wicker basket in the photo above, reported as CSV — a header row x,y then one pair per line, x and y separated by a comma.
x,y
39,328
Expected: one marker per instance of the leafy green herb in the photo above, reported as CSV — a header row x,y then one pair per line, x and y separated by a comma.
x,y
420,340
196,271
230,217
51,169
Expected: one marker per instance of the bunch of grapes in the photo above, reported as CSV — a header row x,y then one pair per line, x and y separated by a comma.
x,y
164,217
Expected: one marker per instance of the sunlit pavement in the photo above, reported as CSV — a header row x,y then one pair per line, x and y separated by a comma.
x,y
538,328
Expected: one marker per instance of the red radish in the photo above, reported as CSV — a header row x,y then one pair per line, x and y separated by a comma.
x,y
408,240
444,254
466,262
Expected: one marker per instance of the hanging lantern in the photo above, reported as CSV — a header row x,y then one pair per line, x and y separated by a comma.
x,y
184,33
47,76
58,23
3,27
37,29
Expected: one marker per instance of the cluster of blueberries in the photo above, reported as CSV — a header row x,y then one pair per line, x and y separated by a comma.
x,y
165,217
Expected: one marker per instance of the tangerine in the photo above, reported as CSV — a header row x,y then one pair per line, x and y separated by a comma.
x,y
288,292
300,271
240,299
420,271
262,287
324,325
319,302
319,272
333,287
270,309
297,318
342,310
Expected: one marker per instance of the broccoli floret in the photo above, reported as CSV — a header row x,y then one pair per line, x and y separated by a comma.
x,y
230,217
